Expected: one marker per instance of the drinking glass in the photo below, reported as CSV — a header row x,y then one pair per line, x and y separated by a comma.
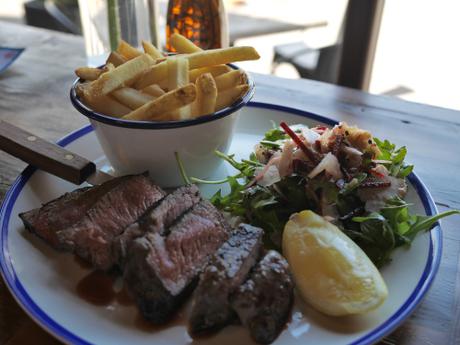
x,y
105,22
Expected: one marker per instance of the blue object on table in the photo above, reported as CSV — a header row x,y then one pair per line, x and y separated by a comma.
x,y
7,56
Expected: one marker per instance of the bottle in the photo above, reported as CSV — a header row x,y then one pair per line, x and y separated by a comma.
x,y
204,22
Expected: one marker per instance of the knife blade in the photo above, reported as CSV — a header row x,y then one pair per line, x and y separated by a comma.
x,y
48,156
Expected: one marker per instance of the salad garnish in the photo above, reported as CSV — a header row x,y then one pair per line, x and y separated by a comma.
x,y
342,173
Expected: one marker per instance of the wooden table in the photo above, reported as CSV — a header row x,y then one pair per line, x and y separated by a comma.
x,y
34,96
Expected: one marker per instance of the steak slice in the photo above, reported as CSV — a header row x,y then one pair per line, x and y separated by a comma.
x,y
60,213
159,271
227,270
264,301
156,220
91,237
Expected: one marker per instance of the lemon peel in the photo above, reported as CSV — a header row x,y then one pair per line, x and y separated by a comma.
x,y
331,272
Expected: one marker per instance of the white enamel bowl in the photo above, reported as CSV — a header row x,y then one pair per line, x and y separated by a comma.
x,y
137,146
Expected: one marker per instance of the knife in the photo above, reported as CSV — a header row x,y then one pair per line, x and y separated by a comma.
x,y
48,156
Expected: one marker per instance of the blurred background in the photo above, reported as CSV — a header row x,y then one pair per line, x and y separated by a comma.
x,y
413,54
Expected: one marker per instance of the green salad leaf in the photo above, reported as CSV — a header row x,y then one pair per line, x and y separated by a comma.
x,y
269,207
275,134
395,157
395,217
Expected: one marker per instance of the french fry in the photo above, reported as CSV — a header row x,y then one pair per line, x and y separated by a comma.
x,y
214,57
197,60
104,104
108,67
88,73
150,49
122,75
183,45
152,75
116,59
130,97
154,90
229,96
127,50
177,72
230,79
206,95
107,105
178,77
164,84
158,108
82,88
149,86
214,70
92,73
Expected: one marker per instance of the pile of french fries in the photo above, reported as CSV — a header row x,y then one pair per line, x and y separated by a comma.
x,y
149,86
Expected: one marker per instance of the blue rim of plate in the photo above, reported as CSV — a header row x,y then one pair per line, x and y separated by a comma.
x,y
65,335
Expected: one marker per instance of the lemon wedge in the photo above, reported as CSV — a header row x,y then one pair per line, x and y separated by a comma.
x,y
331,272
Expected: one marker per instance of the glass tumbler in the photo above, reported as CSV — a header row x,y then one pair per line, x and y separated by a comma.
x,y
105,22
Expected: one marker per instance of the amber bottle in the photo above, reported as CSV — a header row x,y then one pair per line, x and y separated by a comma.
x,y
204,22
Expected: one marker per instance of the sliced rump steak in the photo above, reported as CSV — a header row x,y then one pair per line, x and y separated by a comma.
x,y
87,220
263,303
226,271
60,213
157,219
159,271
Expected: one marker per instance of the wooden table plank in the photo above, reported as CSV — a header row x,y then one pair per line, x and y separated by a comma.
x,y
34,95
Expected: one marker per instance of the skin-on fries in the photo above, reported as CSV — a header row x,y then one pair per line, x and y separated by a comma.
x,y
154,90
214,57
121,76
109,106
132,98
183,45
127,50
88,73
206,95
177,72
116,59
200,59
214,70
178,77
229,96
165,104
104,104
153,75
230,79
91,73
149,86
150,49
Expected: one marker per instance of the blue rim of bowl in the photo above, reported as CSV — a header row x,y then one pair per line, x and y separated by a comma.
x,y
53,327
110,120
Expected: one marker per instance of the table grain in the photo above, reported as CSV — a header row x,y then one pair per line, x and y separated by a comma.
x,y
34,96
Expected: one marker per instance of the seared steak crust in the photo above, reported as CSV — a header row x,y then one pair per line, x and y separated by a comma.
x,y
170,208
63,212
157,218
91,238
86,220
263,303
227,270
159,271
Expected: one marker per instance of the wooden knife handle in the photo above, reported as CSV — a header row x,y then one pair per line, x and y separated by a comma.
x,y
44,155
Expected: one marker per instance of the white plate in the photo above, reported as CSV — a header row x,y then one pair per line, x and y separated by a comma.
x,y
43,281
